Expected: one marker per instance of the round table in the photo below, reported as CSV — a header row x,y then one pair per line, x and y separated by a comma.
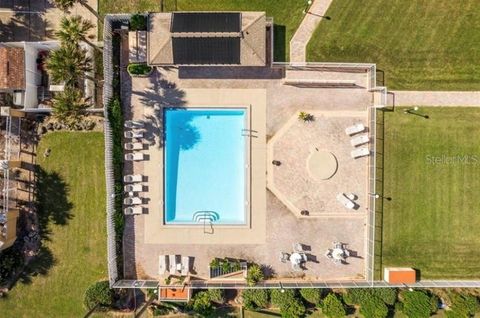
x,y
321,165
338,254
296,258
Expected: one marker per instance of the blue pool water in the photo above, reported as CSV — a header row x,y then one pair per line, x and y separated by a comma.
x,y
205,165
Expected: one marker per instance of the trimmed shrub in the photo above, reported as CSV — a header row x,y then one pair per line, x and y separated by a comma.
x,y
201,303
139,69
388,295
333,307
463,305
99,294
418,304
216,295
293,309
280,297
255,298
312,295
254,274
373,307
138,22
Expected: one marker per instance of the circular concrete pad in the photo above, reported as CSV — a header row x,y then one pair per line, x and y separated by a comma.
x,y
321,165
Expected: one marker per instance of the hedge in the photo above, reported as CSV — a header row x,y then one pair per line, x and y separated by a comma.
x,y
99,294
254,299
333,307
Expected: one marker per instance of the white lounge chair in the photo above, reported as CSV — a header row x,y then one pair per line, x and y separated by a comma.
x,y
133,134
355,129
172,261
133,146
129,178
132,201
133,210
162,264
346,202
133,188
360,152
185,265
134,124
359,140
136,156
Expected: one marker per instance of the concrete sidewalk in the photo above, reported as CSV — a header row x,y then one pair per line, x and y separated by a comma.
x,y
434,98
299,41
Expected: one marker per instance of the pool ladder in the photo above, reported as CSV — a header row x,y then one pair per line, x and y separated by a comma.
x,y
207,217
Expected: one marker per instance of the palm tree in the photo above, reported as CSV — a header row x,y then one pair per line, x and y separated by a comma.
x,y
73,30
66,5
70,105
68,64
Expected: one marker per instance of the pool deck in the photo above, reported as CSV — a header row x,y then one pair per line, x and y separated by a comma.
x,y
274,227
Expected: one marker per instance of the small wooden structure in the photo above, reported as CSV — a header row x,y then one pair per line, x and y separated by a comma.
x,y
400,275
177,294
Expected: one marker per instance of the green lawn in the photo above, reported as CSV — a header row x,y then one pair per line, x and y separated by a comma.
x,y
287,14
72,211
419,44
432,174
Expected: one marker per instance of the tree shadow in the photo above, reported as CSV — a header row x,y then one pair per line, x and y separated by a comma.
x,y
52,201
25,27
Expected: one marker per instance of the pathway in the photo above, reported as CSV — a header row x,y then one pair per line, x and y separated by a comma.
x,y
298,44
434,98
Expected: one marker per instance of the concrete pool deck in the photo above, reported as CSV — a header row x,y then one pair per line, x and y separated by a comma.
x,y
145,238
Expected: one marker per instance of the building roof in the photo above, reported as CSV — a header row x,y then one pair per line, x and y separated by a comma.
x,y
400,275
12,68
207,38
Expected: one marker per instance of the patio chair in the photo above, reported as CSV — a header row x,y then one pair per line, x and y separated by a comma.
x,y
133,210
346,202
346,252
132,201
284,257
360,152
136,156
172,260
134,124
359,140
185,266
133,188
162,264
328,254
133,134
133,146
355,129
338,245
297,247
130,178
296,267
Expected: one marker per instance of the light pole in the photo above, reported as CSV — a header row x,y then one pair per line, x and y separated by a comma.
x,y
377,196
413,111
307,6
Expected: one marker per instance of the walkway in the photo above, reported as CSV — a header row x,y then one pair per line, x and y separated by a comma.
x,y
298,44
433,98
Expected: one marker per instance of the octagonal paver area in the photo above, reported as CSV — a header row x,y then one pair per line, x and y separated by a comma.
x,y
297,186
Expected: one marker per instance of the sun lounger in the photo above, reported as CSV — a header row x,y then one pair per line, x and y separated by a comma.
x,y
133,146
360,152
172,261
346,202
136,156
132,201
133,134
185,265
129,178
134,124
162,264
359,140
133,210
133,188
355,129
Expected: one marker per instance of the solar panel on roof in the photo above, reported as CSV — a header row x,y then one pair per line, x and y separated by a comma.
x,y
215,50
206,22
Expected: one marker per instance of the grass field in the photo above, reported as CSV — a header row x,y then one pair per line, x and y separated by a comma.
x,y
72,213
419,44
287,14
432,174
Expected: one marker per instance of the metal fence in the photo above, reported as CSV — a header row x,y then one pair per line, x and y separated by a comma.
x,y
108,72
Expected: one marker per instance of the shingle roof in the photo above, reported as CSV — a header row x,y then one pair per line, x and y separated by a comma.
x,y
209,44
12,68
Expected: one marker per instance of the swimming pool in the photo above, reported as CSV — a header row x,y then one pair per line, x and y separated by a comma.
x,y
205,168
